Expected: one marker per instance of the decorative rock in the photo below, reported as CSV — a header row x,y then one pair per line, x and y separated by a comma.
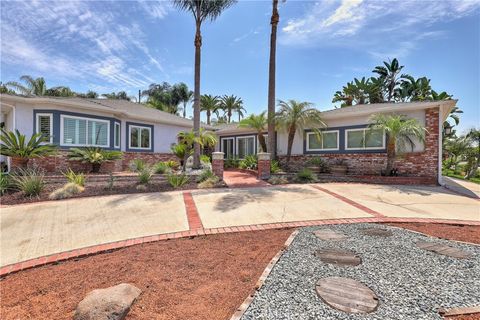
x,y
111,303
347,295
329,234
377,232
443,249
340,257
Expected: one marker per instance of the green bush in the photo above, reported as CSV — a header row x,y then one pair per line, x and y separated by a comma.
x,y
94,156
204,175
204,158
172,164
318,162
30,181
231,162
178,180
16,145
4,183
160,167
77,178
210,182
145,175
136,165
250,162
275,166
305,176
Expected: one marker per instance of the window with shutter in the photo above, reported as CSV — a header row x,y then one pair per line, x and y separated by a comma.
x,y
45,125
78,131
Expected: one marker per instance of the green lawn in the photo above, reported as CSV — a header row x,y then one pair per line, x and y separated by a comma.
x,y
459,175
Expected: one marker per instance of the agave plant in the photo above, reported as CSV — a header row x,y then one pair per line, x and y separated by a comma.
x,y
20,149
93,155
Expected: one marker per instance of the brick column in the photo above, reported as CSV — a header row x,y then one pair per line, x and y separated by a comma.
x,y
217,164
263,165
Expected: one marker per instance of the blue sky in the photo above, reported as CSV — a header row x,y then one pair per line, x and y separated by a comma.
x,y
126,45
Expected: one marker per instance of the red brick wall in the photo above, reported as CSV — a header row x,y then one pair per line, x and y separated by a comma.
x,y
419,164
60,162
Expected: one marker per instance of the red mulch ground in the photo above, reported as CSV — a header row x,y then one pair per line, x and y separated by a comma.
x,y
201,278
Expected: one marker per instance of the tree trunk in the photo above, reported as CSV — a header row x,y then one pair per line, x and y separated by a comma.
x,y
229,115
208,117
184,109
390,157
261,139
291,137
271,81
196,97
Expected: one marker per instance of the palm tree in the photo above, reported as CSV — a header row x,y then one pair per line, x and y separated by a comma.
x,y
454,113
275,18
210,104
400,133
294,116
32,87
258,123
190,138
230,105
59,91
201,10
183,94
390,76
414,90
456,147
473,154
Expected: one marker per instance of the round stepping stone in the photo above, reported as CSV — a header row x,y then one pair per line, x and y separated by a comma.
x,y
376,232
347,295
329,234
339,257
443,249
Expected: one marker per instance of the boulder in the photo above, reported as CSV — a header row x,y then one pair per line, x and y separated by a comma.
x,y
111,303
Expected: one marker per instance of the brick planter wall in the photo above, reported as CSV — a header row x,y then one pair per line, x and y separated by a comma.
x,y
414,164
60,162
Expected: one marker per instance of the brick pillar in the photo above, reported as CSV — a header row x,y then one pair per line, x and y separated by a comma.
x,y
217,164
263,165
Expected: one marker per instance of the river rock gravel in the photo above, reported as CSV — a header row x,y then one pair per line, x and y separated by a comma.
x,y
411,283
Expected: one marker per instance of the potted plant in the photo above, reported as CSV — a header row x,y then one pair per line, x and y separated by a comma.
x,y
16,146
94,156
317,165
340,168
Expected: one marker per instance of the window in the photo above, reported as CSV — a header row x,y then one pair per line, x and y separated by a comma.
x,y
140,137
364,139
227,148
259,146
77,131
116,137
328,140
44,125
245,146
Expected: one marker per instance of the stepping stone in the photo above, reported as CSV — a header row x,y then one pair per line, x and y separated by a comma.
x,y
329,234
377,232
443,249
347,295
339,257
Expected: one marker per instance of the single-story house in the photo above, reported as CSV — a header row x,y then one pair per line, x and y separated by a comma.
x,y
137,130
345,139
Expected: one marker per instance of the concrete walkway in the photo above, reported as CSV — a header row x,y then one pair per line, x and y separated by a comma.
x,y
36,230
467,188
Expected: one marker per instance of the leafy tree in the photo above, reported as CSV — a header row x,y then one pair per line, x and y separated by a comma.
x,y
400,134
163,97
456,147
121,95
31,86
473,154
230,105
390,74
258,123
183,95
294,116
5,89
201,10
274,20
412,89
91,94
60,91
210,105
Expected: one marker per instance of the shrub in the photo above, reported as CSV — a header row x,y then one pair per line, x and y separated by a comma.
x,y
204,175
94,156
160,167
204,158
4,183
145,175
318,162
136,165
178,180
277,180
210,182
305,176
77,178
231,163
30,181
275,166
172,164
250,162
111,181
66,191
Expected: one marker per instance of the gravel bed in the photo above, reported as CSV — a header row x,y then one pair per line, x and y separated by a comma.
x,y
410,283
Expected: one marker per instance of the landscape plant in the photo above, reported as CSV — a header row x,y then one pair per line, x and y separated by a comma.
x,y
318,162
16,145
210,182
178,180
257,123
204,175
136,165
67,191
277,180
305,175
275,166
172,164
145,175
250,162
161,167
94,156
77,178
189,138
31,181
4,183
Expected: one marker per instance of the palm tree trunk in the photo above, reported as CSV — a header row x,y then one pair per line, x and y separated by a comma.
x,y
184,109
261,139
390,157
229,115
271,81
291,137
196,96
208,117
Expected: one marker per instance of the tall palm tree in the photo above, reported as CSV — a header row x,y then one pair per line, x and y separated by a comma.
x,y
400,133
183,94
210,104
275,18
201,10
390,74
295,116
258,123
230,105
32,87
